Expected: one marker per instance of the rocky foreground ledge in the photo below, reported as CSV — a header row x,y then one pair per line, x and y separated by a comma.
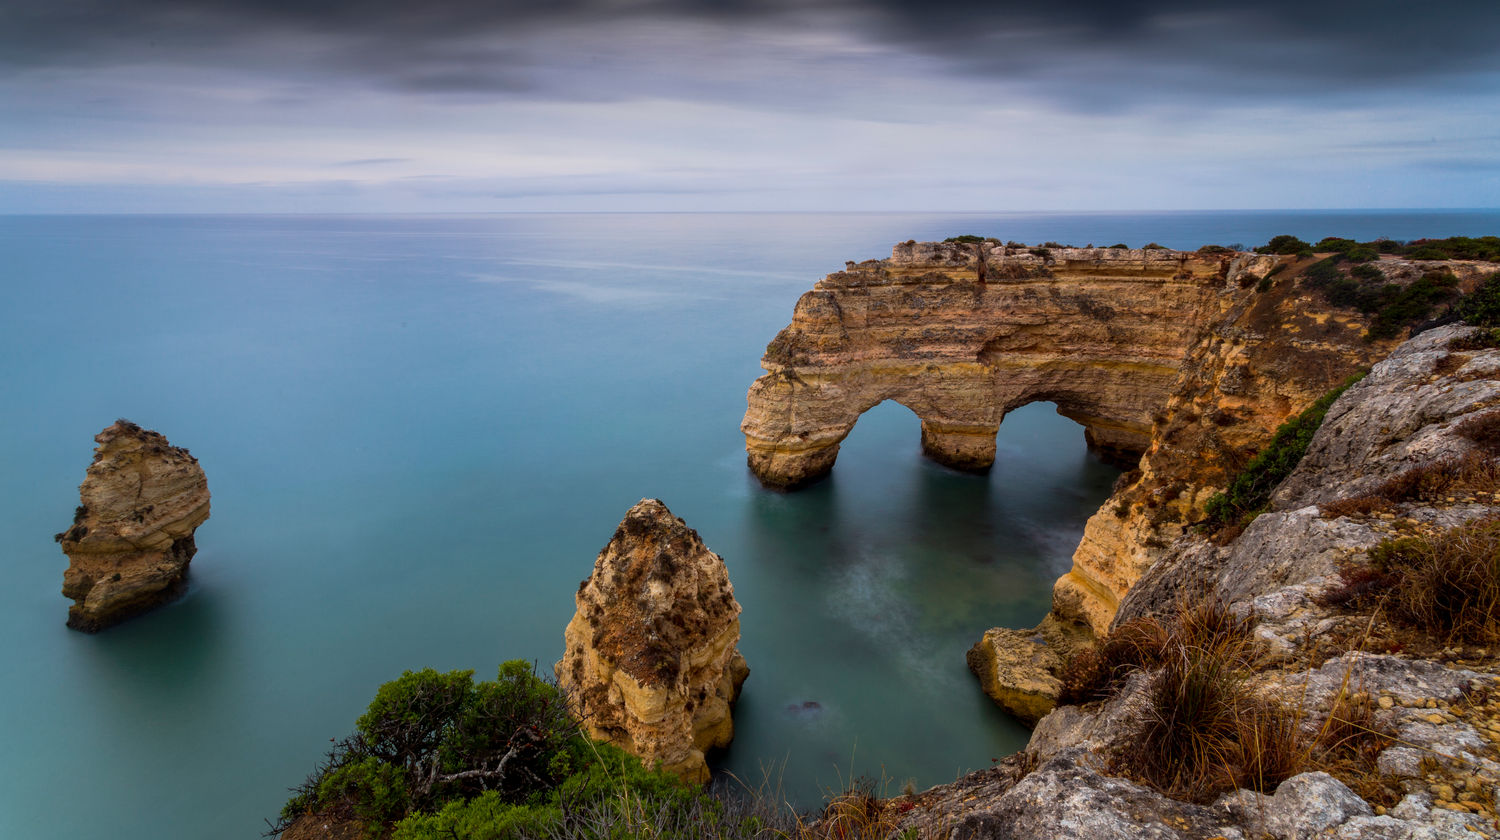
x,y
132,536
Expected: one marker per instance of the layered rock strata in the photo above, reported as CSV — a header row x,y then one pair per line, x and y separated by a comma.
x,y
1417,410
963,333
1179,365
1265,358
650,655
131,539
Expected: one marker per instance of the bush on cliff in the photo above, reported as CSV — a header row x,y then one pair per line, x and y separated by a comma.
x,y
1283,244
1481,307
1249,492
438,755
429,738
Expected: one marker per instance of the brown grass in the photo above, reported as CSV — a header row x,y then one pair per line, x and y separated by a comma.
x,y
1204,732
856,814
1447,585
1471,471
1482,429
1449,362
1356,506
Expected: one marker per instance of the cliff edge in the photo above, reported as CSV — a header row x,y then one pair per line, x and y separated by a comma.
x,y
1362,617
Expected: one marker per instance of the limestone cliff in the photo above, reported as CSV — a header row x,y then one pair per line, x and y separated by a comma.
x,y
132,536
1179,365
1427,411
650,655
962,334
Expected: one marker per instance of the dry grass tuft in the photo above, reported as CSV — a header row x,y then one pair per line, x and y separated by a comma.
x,y
1482,429
1448,584
1471,471
1204,731
856,814
1356,506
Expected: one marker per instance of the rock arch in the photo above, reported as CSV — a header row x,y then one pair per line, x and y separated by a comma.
x,y
963,334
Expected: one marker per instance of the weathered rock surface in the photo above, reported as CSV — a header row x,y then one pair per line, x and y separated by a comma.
x,y
1176,363
132,535
962,334
1444,752
650,654
1020,669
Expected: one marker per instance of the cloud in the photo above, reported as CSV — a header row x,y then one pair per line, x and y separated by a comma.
x,y
1089,54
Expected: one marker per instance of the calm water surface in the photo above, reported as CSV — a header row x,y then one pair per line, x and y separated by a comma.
x,y
419,432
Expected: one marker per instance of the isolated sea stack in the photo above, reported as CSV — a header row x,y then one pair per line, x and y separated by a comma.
x,y
132,535
651,658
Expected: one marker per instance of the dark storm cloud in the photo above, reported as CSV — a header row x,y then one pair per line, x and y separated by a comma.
x,y
1089,51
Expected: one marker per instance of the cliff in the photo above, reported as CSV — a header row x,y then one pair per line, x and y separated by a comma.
x,y
131,539
650,658
1391,725
1179,365
963,333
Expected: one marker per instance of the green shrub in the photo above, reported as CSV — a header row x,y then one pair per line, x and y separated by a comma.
x,y
429,738
485,817
965,239
1399,306
368,789
1120,245
1481,307
1249,493
1284,244
1394,306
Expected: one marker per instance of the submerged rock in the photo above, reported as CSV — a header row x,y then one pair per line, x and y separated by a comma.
x,y
651,658
132,535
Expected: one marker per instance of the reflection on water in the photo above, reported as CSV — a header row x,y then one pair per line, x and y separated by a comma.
x,y
866,590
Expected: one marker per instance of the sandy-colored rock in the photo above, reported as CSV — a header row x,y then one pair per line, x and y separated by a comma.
x,y
1180,364
1021,669
650,654
962,334
132,535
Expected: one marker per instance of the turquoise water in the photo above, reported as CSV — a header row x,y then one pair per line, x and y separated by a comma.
x,y
419,432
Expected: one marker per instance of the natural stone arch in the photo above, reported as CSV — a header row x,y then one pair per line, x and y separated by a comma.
x,y
963,335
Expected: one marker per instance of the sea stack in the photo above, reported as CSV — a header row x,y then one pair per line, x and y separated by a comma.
x,y
650,654
132,536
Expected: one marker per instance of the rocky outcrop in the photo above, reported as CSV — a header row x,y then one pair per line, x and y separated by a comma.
x,y
1178,364
1021,669
963,333
650,654
132,535
1417,410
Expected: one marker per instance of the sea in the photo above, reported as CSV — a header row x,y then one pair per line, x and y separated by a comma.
x,y
419,431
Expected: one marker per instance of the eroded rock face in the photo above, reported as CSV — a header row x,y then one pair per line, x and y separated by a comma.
x,y
1265,358
1443,758
651,658
1180,364
962,334
132,537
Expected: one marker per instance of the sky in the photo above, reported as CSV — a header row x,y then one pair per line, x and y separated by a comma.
x,y
761,105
